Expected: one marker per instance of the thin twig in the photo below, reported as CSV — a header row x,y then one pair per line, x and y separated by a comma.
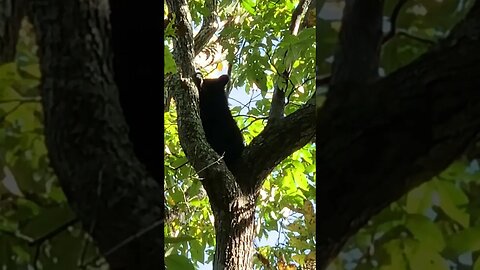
x,y
416,38
393,20
126,241
53,233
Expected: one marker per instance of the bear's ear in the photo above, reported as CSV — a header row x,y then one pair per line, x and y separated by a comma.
x,y
223,79
198,79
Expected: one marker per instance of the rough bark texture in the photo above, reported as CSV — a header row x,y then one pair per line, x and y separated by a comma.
x,y
232,197
274,144
235,231
209,27
378,141
86,135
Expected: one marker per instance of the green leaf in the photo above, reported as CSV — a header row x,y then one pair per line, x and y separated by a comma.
x,y
299,243
450,190
421,257
179,162
397,258
426,232
455,169
169,64
249,6
464,241
178,262
68,250
300,259
288,183
25,210
57,195
8,225
197,250
476,265
46,220
32,70
419,199
301,180
22,254
8,75
450,197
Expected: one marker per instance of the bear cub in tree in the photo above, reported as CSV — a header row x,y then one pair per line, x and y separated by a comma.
x,y
220,128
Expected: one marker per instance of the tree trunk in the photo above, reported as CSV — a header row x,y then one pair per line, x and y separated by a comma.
x,y
235,231
119,205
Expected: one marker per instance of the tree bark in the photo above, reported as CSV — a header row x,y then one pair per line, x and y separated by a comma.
x,y
86,135
358,52
235,231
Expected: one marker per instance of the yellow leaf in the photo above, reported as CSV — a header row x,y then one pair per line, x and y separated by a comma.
x,y
291,267
299,258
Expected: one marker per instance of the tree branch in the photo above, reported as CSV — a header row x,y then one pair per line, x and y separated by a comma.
x,y
393,20
217,179
275,143
297,16
357,56
209,27
393,27
419,39
277,108
393,31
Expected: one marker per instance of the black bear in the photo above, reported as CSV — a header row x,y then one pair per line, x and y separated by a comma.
x,y
220,128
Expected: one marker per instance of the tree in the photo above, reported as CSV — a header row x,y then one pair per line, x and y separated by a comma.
x,y
106,186
268,46
117,202
382,136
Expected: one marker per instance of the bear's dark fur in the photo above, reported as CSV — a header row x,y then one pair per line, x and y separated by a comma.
x,y
220,128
